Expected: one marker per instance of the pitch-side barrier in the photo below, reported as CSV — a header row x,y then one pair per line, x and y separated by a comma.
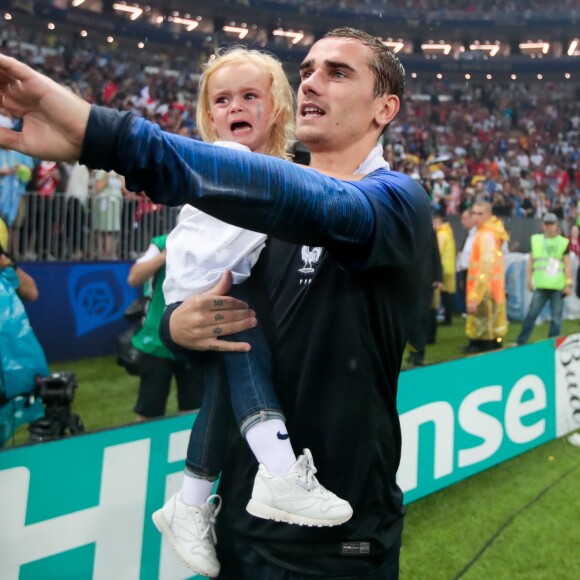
x,y
81,507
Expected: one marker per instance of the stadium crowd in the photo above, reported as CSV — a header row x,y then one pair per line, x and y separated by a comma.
x,y
431,8
514,145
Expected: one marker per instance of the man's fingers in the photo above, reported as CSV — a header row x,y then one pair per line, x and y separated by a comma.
x,y
228,346
227,316
10,139
205,303
222,328
12,70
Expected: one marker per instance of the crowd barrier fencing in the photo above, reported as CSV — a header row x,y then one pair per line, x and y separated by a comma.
x,y
63,228
81,507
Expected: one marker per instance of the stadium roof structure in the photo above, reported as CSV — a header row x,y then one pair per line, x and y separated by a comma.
x,y
457,43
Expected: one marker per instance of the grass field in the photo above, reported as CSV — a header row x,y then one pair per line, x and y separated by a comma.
x,y
518,520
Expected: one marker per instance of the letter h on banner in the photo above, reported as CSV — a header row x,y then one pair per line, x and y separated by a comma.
x,y
115,525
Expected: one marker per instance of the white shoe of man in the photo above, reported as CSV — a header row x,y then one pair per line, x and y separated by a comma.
x,y
297,497
190,530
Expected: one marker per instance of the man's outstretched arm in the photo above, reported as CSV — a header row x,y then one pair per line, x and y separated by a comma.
x,y
174,170
252,191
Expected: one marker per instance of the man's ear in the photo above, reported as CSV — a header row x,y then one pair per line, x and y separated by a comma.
x,y
388,107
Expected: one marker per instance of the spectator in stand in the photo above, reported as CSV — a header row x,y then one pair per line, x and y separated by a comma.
x,y
77,210
528,207
542,203
106,206
454,200
467,199
574,238
43,219
440,191
557,206
501,206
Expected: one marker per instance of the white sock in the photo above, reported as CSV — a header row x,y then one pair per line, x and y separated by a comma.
x,y
269,448
195,490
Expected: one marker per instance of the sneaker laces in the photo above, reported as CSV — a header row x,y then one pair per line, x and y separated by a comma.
x,y
210,510
309,469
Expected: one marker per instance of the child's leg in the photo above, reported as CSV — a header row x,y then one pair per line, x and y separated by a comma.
x,y
187,519
254,401
207,439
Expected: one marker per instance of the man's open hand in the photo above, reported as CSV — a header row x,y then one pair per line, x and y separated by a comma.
x,y
55,119
201,320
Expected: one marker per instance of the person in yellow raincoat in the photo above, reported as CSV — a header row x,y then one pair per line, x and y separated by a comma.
x,y
486,298
446,243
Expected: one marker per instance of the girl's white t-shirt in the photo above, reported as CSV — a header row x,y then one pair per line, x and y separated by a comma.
x,y
201,247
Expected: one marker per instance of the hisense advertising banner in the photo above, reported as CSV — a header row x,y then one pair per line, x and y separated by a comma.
x,y
80,508
462,417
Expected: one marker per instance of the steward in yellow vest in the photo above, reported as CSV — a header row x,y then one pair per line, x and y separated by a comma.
x,y
547,261
549,277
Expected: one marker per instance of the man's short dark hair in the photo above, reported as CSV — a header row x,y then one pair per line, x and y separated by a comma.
x,y
387,68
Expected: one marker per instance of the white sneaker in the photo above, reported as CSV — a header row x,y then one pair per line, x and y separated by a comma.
x,y
297,497
190,532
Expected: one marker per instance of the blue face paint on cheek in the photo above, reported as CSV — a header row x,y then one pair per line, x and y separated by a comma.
x,y
259,112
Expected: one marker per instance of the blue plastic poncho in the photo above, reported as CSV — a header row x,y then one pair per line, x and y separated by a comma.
x,y
22,360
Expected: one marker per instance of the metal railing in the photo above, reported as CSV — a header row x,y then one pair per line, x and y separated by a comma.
x,y
63,228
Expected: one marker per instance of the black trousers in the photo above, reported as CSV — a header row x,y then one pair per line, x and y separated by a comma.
x,y
240,562
424,326
155,383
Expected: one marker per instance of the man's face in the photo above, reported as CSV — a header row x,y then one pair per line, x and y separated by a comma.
x,y
467,219
550,229
336,103
480,215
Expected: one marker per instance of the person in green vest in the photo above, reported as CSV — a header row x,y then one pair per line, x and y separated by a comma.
x,y
549,277
158,366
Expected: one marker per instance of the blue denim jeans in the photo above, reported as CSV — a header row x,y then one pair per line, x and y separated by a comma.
x,y
234,381
539,299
